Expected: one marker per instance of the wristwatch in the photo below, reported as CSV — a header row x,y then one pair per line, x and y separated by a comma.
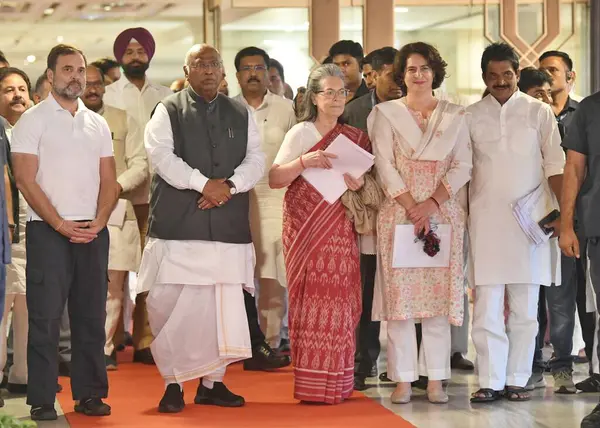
x,y
232,188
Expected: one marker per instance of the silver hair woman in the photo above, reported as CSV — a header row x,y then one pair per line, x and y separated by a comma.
x,y
308,108
320,246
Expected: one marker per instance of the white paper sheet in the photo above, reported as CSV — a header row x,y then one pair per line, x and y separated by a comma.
x,y
117,217
350,159
410,254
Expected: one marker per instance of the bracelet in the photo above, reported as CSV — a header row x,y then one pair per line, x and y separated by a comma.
x,y
434,201
12,226
301,162
60,226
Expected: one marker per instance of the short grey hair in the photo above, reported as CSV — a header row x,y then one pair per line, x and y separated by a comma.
x,y
308,110
194,50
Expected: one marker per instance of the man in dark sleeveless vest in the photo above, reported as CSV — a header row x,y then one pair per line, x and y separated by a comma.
x,y
205,151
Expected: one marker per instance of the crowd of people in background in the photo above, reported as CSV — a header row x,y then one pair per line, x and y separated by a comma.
x,y
187,212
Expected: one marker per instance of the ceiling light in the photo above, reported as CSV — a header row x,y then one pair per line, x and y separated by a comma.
x,y
60,39
401,9
107,8
49,11
30,58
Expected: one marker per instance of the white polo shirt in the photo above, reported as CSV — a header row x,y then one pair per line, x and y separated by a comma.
x,y
69,149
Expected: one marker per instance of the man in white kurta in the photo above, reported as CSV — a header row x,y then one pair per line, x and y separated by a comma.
x,y
205,151
132,170
516,148
274,116
137,94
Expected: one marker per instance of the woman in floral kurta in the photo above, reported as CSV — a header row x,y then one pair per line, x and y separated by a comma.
x,y
423,158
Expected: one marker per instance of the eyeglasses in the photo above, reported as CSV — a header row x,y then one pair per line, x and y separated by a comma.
x,y
332,93
256,68
215,65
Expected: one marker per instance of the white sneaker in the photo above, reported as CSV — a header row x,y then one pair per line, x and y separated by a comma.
x,y
536,381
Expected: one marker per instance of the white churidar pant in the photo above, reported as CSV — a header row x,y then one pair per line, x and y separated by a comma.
x,y
505,352
405,362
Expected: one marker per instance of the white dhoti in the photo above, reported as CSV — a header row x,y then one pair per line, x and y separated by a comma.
x,y
196,306
505,353
198,329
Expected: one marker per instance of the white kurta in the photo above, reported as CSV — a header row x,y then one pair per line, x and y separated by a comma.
x,y
139,104
196,264
274,118
516,147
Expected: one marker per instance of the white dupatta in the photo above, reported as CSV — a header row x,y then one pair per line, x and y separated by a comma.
x,y
440,137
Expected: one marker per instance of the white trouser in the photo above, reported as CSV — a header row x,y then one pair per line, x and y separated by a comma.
x,y
460,334
504,353
114,305
405,362
20,326
271,305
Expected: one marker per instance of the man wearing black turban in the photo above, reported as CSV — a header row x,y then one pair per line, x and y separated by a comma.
x,y
137,95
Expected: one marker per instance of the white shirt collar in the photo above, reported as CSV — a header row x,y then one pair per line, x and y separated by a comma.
x,y
265,103
511,100
51,101
124,82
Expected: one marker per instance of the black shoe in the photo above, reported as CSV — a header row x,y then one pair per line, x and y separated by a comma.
x,y
373,371
383,377
591,384
127,339
17,388
359,383
172,401
593,419
143,356
64,369
284,346
120,347
92,407
219,395
111,362
43,413
461,363
265,359
421,383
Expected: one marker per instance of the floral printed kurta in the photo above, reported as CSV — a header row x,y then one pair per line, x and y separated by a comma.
x,y
416,156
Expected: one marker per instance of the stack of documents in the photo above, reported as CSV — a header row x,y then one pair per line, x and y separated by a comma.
x,y
351,159
530,210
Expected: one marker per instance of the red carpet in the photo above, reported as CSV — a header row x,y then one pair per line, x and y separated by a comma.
x,y
135,391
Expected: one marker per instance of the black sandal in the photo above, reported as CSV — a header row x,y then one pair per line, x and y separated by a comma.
x,y
517,393
486,395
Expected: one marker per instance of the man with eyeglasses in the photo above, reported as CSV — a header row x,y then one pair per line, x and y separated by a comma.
x,y
274,117
137,95
205,150
348,55
132,169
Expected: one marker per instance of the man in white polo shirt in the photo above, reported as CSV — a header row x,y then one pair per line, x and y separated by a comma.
x,y
64,166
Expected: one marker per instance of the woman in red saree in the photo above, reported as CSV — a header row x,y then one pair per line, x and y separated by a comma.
x,y
320,247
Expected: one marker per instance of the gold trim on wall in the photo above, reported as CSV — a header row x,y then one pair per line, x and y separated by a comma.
x,y
509,29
